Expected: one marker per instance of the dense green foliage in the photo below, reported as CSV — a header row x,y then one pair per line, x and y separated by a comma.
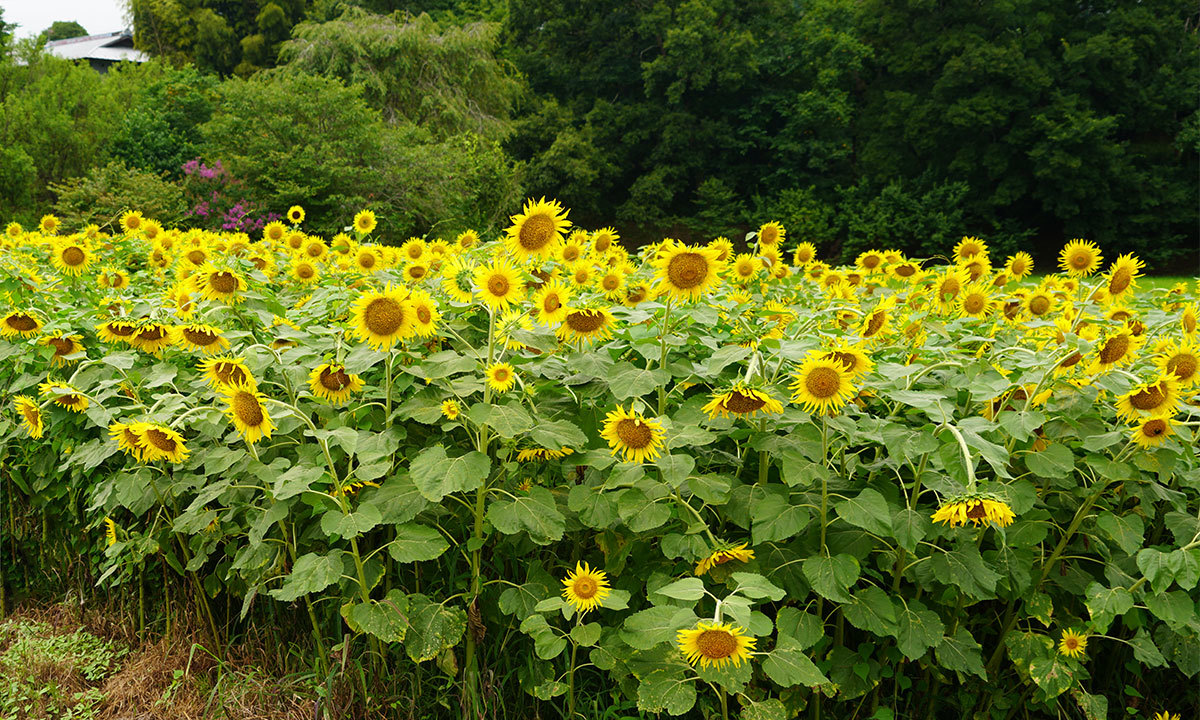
x,y
63,29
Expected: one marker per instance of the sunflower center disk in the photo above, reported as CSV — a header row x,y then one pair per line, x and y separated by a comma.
x,y
62,346
875,323
1080,261
21,322
950,287
424,315
1121,280
1039,305
551,304
196,257
199,337
687,270
417,272
585,321
384,316
536,232
152,334
73,256
498,285
1114,350
716,644
741,403
1183,366
246,407
585,587
335,380
634,433
977,511
1151,398
366,261
973,303
1154,428
160,440
822,383
223,282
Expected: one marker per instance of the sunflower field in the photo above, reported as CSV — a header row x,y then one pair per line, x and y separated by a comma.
x,y
543,471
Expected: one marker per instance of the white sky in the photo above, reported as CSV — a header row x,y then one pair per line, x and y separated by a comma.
x,y
34,16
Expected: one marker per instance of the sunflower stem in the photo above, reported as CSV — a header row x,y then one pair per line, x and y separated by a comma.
x,y
763,459
662,359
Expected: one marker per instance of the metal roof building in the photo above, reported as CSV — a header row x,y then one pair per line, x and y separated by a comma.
x,y
101,51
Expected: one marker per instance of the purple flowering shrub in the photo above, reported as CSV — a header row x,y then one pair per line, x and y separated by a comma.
x,y
218,200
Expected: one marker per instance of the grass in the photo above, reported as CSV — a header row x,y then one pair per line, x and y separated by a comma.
x,y
1147,282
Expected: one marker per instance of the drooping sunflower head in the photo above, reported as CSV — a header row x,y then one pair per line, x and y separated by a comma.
x,y
383,317
1159,398
976,509
205,338
415,272
501,377
246,407
31,415
822,386
1079,258
537,230
741,401
331,381
152,337
852,357
1152,432
220,283
64,396
877,324
723,554
221,372
585,588
67,348
1119,348
499,284
637,293
159,442
20,323
1072,644
687,273
586,325
364,222
632,435
715,644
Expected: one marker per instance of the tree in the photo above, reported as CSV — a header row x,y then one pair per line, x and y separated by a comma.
x,y
63,29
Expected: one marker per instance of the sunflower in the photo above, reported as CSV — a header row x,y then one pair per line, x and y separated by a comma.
x,y
821,385
222,372
1154,399
771,234
1181,360
724,554
723,247
112,278
295,214
131,221
219,283
1118,349
367,260
20,323
1122,276
499,284
870,261
581,273
852,358
331,382
1072,644
196,257
1188,319
537,230
128,441
425,315
1040,303
585,588
878,323
457,279
467,239
295,240
745,267
198,336
1079,258
14,230
636,437
247,410
274,231
1153,432
71,258
304,271
159,442
550,303
152,337
31,415
741,401
415,272
574,248
1164,715
1019,266
65,346
110,532
976,301
715,643
501,377
604,239
117,331
636,293
413,250
586,325
805,253
974,509
612,282
529,454
364,222
64,396
49,224
948,287
382,317
686,273
450,409
969,248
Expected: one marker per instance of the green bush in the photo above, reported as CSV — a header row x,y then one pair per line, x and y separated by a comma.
x,y
104,193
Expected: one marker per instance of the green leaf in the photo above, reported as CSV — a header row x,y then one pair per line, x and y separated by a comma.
x,y
676,468
626,380
755,586
1186,566
586,635
1052,674
639,512
353,524
295,481
724,356
311,573
432,628
1094,707
1105,604
1040,606
1056,461
1175,608
666,690
416,543
534,512
1126,531
386,620
595,508
555,434
437,475
868,511
831,577
804,627
964,567
643,630
788,666
688,589
909,527
872,610
1145,651
507,420
775,518
1153,564
712,489
919,629
398,499
770,709
961,653
548,645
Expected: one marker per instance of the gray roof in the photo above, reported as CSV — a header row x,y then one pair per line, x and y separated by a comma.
x,y
109,47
